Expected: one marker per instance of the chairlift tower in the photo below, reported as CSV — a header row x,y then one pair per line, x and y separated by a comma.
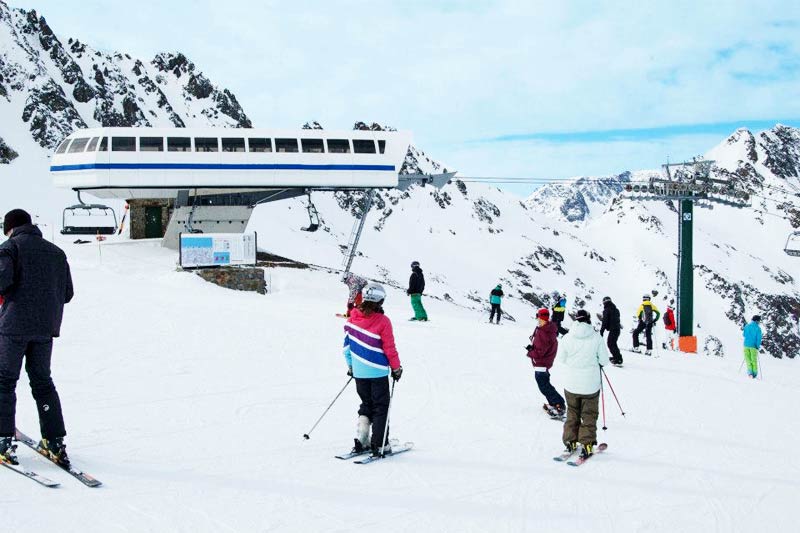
x,y
689,184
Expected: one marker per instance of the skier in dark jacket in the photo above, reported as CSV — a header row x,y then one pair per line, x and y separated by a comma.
x,y
611,323
559,310
647,314
495,299
35,283
542,352
416,286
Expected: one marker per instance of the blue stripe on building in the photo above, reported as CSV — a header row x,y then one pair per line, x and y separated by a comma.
x,y
216,166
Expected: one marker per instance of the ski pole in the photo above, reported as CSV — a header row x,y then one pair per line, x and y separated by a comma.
x,y
612,391
760,368
306,435
388,410
603,400
741,365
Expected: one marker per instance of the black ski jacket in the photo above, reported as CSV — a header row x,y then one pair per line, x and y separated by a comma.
x,y
35,282
611,320
416,283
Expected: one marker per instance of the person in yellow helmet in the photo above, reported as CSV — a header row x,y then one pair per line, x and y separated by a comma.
x,y
648,314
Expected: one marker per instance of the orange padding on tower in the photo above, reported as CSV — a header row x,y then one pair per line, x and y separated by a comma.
x,y
687,344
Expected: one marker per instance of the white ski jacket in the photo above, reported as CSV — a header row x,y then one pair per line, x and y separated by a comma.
x,y
581,353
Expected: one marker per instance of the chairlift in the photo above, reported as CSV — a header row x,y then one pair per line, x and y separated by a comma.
x,y
313,215
91,211
793,244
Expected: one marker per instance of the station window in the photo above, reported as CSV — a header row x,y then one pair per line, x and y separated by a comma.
x,y
338,146
361,146
179,144
233,145
260,145
151,144
206,144
123,144
103,145
315,146
63,146
92,144
78,145
382,146
286,145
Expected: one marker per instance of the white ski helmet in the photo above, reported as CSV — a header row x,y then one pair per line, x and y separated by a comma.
x,y
374,292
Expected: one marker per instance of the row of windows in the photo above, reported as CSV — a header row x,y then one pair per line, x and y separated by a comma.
x,y
226,144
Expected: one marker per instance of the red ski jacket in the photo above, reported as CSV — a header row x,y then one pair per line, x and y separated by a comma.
x,y
544,345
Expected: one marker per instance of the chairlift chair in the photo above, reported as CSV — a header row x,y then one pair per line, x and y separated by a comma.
x,y
793,244
313,215
88,210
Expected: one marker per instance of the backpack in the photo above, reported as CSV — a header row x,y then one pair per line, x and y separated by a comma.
x,y
668,318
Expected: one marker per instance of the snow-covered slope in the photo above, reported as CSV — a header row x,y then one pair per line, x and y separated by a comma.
x,y
193,418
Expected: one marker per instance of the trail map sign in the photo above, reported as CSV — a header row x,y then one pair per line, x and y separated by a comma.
x,y
217,249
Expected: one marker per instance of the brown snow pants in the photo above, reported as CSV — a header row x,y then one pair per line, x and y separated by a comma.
x,y
581,424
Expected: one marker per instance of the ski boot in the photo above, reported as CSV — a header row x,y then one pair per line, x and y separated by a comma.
x,y
362,435
387,450
585,450
648,353
636,349
56,450
8,451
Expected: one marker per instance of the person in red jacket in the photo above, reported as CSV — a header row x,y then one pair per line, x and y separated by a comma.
x,y
542,351
670,326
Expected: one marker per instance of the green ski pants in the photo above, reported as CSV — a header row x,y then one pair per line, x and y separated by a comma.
x,y
751,358
419,311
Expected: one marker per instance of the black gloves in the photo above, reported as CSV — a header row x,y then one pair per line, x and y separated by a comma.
x,y
397,372
529,347
350,371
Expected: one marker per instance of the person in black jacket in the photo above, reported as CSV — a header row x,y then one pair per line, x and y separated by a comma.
x,y
416,286
35,283
611,323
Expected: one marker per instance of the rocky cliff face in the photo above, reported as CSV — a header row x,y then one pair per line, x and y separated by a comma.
x,y
55,87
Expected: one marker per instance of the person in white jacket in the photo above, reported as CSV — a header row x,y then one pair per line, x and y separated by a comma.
x,y
581,353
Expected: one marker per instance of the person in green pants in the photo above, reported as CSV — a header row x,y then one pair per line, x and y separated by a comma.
x,y
752,343
416,286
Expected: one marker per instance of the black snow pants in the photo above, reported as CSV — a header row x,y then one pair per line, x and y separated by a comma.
x,y
37,353
613,349
496,309
647,327
561,330
374,394
547,389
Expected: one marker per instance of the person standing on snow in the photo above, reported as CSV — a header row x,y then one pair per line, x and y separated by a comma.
x,y
35,283
611,323
356,284
648,315
559,310
670,326
542,352
371,357
581,354
495,299
752,344
416,286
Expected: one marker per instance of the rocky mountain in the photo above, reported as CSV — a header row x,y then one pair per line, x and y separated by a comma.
x,y
55,86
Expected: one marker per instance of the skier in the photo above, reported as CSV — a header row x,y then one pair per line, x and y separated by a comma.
x,y
542,352
372,357
356,284
416,286
496,298
611,323
752,343
670,326
35,283
647,315
581,354
559,309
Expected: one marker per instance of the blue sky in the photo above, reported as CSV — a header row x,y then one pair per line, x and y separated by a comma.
x,y
503,88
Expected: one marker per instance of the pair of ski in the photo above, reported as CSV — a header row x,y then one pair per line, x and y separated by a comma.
x,y
81,476
397,449
564,457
